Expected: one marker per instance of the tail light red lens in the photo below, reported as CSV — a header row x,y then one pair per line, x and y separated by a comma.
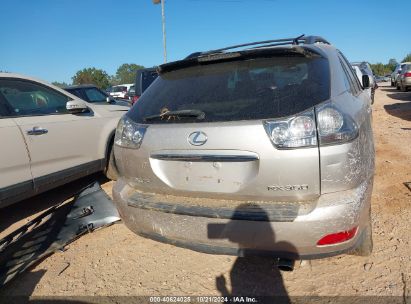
x,y
407,74
338,237
135,98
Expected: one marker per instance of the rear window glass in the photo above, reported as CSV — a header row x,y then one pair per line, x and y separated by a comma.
x,y
119,89
95,95
240,90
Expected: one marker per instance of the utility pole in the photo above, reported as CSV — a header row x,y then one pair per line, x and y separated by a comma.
x,y
163,20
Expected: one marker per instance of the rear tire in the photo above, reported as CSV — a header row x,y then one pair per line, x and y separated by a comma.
x,y
111,168
403,88
392,83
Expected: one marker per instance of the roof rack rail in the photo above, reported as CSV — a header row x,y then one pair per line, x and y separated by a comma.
x,y
260,44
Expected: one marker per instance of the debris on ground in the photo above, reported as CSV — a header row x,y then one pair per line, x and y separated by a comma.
x,y
54,229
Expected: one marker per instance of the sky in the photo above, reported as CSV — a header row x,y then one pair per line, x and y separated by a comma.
x,y
53,39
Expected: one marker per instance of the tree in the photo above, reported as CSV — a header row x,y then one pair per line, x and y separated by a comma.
x,y
126,73
380,69
60,84
407,58
92,76
392,63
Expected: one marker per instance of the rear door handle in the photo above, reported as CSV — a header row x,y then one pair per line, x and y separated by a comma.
x,y
37,131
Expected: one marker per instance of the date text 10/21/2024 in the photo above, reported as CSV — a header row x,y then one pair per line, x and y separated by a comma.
x,y
203,299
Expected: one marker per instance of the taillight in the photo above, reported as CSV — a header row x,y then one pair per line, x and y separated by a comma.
x,y
300,131
338,237
129,134
407,74
293,132
334,127
135,98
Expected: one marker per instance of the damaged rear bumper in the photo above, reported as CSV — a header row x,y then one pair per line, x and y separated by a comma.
x,y
248,229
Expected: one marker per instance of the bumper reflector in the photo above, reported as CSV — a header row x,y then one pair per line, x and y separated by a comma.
x,y
338,237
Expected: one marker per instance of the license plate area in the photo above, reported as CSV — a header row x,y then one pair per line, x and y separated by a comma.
x,y
223,173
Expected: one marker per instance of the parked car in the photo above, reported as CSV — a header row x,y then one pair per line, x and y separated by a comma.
x,y
144,78
131,93
366,68
258,149
360,73
396,73
50,137
404,78
93,94
120,91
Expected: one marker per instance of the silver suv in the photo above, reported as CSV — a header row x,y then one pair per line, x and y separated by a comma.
x,y
257,149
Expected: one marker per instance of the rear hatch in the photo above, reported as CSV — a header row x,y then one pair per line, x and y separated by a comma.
x,y
215,129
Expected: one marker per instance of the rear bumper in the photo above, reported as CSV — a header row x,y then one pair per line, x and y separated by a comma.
x,y
407,81
244,235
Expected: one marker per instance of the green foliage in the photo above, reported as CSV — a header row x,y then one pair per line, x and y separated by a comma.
x,y
92,76
126,73
60,84
407,58
381,69
392,63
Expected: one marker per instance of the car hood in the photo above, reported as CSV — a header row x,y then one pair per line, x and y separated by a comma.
x,y
113,106
110,110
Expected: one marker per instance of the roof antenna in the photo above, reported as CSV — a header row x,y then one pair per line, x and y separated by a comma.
x,y
295,41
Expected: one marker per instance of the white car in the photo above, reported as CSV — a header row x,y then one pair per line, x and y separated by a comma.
x,y
359,74
50,137
120,91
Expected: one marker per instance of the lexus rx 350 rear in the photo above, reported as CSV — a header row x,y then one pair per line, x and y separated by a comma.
x,y
260,151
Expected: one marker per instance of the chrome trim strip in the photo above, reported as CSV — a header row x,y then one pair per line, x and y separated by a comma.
x,y
205,157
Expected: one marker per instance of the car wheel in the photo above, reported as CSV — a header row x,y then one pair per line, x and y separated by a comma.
x,y
397,86
111,168
392,83
403,88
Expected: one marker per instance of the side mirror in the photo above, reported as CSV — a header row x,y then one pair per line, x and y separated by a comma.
x,y
76,106
366,81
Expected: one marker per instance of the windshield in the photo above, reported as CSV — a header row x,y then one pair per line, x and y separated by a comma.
x,y
119,89
240,90
95,95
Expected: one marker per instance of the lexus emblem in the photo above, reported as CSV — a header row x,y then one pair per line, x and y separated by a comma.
x,y
197,138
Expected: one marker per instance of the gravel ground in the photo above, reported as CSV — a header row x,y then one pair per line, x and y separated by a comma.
x,y
115,262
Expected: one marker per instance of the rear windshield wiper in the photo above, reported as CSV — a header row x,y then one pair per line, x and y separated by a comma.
x,y
176,115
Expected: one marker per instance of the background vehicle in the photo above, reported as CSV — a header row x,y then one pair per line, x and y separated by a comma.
x,y
360,73
366,68
265,150
144,78
50,137
131,93
93,94
120,91
396,73
404,78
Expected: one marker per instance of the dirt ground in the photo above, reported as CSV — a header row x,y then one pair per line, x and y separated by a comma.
x,y
113,261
